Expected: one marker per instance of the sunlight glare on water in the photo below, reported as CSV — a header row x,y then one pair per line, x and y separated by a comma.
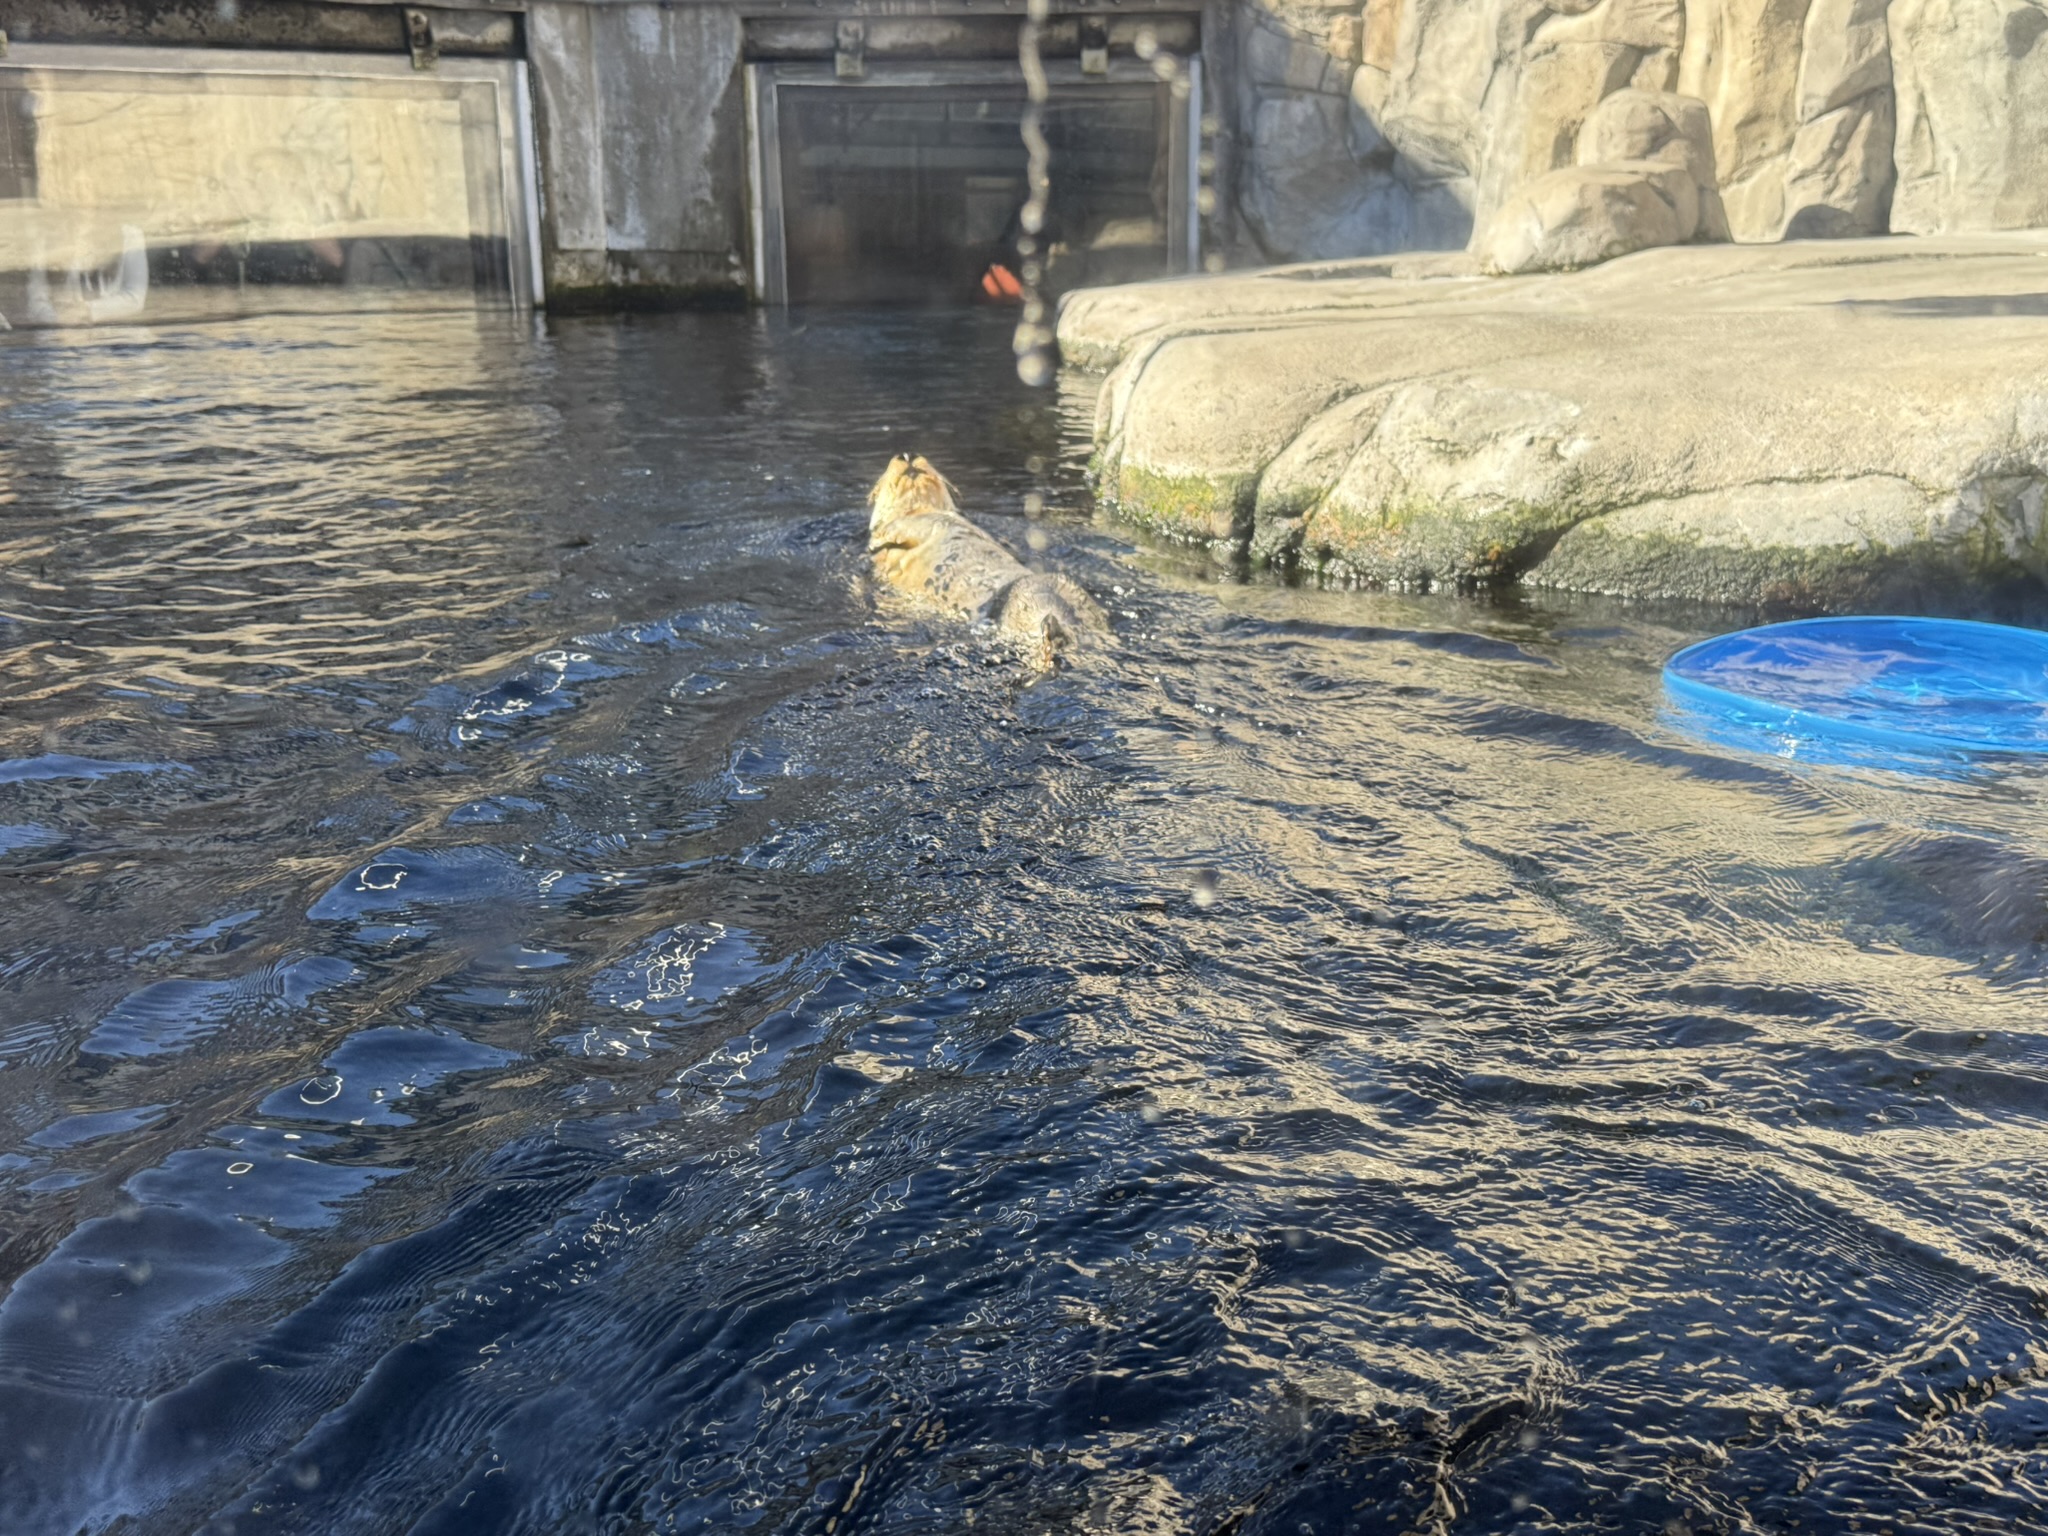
x,y
533,1000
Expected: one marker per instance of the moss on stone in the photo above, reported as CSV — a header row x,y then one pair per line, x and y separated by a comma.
x,y
1422,544
1812,579
1192,508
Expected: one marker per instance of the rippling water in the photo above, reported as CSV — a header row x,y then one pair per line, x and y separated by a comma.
x,y
531,1001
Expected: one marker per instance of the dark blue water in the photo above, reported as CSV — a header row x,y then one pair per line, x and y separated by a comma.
x,y
531,1000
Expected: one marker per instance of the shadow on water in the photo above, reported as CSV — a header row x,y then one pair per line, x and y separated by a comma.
x,y
534,1001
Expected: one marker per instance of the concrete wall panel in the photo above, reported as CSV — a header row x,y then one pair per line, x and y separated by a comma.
x,y
642,134
669,83
570,125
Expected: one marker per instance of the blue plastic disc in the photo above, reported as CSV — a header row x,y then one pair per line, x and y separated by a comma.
x,y
1899,683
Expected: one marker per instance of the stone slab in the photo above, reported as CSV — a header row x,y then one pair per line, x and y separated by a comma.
x,y
1824,424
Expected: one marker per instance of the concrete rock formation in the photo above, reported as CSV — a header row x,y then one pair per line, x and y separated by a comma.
x,y
1644,176
1800,94
1556,61
1812,424
1317,174
1972,87
1517,127
1466,126
1576,217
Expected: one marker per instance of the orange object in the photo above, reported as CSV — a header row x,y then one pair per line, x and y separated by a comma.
x,y
1000,283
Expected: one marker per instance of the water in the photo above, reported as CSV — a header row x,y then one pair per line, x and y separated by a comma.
x,y
535,1002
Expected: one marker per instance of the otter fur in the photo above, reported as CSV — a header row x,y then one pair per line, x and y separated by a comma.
x,y
922,545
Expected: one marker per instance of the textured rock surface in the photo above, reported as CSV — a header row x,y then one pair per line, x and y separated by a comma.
x,y
1321,175
1820,423
1644,177
1972,147
1556,61
1422,84
1800,93
1587,214
1456,111
1651,125
1821,118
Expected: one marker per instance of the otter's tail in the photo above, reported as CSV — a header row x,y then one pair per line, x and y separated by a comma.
x,y
1050,615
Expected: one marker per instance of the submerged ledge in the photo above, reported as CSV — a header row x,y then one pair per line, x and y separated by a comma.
x,y
1818,425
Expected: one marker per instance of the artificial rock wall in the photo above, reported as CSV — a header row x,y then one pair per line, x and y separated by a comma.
x,y
1553,133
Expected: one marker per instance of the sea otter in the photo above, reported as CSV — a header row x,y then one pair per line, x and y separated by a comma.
x,y
922,545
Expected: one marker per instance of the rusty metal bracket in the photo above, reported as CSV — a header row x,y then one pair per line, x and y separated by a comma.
x,y
849,60
1094,45
419,40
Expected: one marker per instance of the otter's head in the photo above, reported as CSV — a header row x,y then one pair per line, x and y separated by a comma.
x,y
909,485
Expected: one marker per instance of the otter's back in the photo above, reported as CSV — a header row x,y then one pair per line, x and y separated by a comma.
x,y
946,558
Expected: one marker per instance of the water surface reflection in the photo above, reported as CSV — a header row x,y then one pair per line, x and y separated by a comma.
x,y
534,1002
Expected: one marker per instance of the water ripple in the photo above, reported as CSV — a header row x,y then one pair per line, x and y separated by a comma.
x,y
536,1001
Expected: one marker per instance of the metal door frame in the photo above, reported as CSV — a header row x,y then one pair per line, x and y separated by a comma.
x,y
764,141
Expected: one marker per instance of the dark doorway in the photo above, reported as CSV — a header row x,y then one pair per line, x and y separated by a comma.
x,y
903,194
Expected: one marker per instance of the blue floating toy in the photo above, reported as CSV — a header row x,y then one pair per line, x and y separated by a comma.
x,y
1894,684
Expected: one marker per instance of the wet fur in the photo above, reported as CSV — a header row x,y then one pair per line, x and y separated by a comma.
x,y
922,545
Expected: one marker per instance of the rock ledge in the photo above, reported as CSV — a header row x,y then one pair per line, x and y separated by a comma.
x,y
1825,424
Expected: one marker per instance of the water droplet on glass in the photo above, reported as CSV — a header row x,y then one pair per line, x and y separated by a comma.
x,y
1205,884
306,1475
1035,369
1146,44
1033,504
